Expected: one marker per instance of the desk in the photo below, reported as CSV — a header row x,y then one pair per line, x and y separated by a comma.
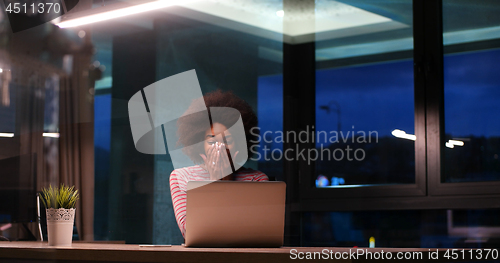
x,y
98,252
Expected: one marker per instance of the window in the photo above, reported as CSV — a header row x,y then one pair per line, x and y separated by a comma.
x,y
433,88
360,110
365,111
471,94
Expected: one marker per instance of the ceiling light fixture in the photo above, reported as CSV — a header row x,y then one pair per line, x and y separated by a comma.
x,y
136,9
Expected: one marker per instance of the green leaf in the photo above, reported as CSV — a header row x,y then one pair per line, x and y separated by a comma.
x,y
59,197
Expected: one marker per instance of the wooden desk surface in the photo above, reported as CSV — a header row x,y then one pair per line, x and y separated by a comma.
x,y
101,252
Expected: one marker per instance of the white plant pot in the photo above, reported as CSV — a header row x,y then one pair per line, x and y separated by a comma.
x,y
60,226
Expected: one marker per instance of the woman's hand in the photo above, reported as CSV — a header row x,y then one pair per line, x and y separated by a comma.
x,y
217,162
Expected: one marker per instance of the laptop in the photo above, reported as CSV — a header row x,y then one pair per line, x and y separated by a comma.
x,y
235,214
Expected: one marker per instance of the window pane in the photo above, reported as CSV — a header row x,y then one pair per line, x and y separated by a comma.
x,y
364,97
471,80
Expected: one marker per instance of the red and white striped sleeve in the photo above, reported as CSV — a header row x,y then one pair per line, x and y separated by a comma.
x,y
252,175
178,193
260,176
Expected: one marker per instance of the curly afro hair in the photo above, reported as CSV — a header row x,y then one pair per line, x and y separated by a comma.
x,y
191,132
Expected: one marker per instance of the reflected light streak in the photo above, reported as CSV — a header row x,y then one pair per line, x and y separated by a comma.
x,y
452,143
51,134
403,135
457,143
136,9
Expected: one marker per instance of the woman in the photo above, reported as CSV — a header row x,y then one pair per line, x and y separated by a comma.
x,y
212,162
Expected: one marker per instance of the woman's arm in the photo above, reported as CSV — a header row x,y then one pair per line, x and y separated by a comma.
x,y
178,201
260,177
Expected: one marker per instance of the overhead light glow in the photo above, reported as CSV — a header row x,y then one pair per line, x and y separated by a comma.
x,y
1,70
6,134
51,134
136,9
403,135
449,145
280,13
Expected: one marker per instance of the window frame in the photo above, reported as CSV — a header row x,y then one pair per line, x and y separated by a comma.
x,y
428,192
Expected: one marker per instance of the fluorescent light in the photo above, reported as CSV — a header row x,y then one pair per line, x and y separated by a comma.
x,y
403,135
449,145
6,134
1,70
280,13
51,134
455,142
136,9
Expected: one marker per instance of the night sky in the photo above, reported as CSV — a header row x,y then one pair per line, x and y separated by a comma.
x,y
472,94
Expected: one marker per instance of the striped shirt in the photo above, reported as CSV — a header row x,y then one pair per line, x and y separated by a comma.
x,y
178,184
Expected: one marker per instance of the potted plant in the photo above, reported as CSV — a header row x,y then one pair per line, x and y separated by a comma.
x,y
60,205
